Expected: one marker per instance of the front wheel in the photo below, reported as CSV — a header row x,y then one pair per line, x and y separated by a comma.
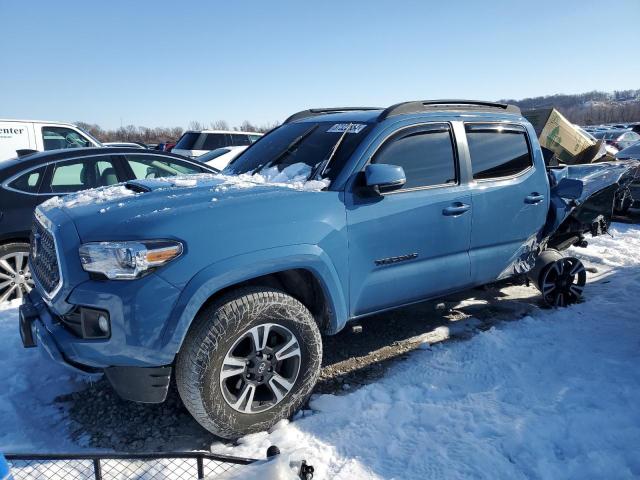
x,y
251,359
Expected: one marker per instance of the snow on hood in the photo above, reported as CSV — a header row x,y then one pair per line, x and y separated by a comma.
x,y
88,197
292,177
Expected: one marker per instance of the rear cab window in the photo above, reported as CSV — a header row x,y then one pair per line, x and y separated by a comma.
x,y
498,150
426,154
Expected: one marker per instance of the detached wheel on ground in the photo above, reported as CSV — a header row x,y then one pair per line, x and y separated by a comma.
x,y
561,280
250,359
15,278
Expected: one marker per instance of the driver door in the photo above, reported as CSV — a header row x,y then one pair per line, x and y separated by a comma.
x,y
412,243
54,138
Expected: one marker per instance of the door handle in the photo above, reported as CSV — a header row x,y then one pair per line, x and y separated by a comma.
x,y
457,208
533,198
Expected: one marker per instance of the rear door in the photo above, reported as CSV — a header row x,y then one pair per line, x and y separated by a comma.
x,y
68,176
411,243
510,199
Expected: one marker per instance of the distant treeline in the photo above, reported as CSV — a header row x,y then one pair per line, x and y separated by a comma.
x,y
590,108
132,133
584,109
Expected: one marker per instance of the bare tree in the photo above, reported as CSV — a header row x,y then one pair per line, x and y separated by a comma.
x,y
219,125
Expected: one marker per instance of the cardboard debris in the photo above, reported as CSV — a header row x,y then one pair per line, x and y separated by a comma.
x,y
559,135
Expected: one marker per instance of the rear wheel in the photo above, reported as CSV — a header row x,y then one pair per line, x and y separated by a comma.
x,y
15,277
251,359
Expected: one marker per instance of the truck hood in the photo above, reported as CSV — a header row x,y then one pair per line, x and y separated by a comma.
x,y
105,212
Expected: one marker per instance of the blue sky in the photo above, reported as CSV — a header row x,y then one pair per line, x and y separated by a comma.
x,y
163,63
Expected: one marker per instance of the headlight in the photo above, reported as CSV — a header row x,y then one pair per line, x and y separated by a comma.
x,y
127,260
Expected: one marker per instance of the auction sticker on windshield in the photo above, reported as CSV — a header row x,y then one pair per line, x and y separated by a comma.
x,y
341,127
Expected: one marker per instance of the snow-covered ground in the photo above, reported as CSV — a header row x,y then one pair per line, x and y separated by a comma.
x,y
554,395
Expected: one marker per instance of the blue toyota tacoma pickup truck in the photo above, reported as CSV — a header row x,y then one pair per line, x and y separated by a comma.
x,y
227,282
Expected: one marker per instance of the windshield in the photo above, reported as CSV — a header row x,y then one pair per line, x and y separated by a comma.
x,y
310,143
94,139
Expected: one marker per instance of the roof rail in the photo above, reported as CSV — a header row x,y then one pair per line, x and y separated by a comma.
x,y
422,105
313,112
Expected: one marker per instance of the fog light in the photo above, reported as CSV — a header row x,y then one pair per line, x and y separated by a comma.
x,y
94,323
103,323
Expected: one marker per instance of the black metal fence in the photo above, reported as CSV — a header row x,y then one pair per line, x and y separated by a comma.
x,y
144,466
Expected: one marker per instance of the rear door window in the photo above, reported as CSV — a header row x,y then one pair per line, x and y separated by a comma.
x,y
81,174
211,141
424,152
238,139
497,150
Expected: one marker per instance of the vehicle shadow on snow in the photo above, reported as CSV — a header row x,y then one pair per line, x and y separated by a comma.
x,y
100,419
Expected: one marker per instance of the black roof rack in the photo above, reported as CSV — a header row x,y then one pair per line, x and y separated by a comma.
x,y
313,112
422,105
412,107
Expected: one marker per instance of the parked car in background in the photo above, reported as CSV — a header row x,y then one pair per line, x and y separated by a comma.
x,y
125,144
618,138
221,157
38,135
165,146
633,200
589,134
340,214
194,143
28,181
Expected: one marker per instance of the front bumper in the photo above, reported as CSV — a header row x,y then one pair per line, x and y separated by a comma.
x,y
35,322
133,358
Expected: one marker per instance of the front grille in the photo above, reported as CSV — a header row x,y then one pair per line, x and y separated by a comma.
x,y
43,258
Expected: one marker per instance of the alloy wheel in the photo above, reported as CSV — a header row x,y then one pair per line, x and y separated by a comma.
x,y
15,277
260,369
563,282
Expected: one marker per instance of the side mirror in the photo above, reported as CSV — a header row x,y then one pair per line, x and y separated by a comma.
x,y
383,177
569,188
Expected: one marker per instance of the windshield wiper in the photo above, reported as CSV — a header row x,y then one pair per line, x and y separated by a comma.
x,y
287,150
322,166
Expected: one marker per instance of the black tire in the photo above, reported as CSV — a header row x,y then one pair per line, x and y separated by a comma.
x,y
20,284
214,334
